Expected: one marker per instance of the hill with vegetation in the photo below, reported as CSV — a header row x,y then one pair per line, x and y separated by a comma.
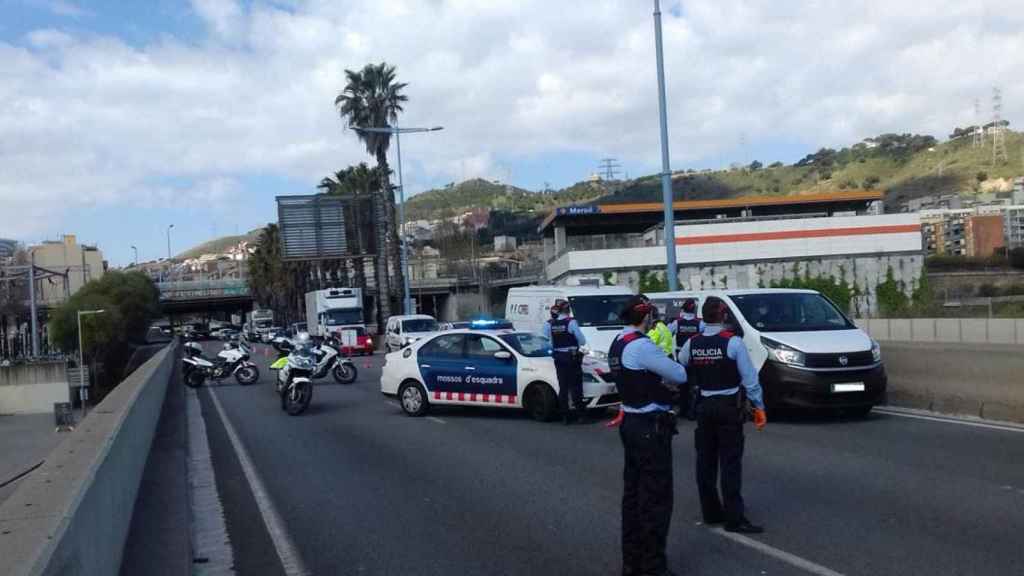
x,y
218,245
903,166
459,198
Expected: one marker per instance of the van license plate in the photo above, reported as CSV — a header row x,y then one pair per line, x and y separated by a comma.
x,y
850,387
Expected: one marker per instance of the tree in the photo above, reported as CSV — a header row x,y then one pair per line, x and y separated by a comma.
x,y
372,98
981,177
755,166
358,184
130,302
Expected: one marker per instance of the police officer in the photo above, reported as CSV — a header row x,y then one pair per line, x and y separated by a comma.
x,y
683,328
566,340
719,365
646,379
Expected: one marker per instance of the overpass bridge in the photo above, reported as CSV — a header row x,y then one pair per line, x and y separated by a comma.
x,y
230,295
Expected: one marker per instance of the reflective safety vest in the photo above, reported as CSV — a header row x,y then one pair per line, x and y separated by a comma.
x,y
561,337
638,388
709,365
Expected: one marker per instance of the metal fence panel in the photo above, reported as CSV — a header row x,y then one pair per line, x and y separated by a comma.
x,y
311,227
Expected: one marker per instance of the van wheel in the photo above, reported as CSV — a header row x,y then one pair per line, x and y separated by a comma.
x,y
540,402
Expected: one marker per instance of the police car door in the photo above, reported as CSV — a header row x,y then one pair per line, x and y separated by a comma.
x,y
442,363
490,379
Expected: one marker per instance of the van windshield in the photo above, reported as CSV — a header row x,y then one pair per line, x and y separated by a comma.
x,y
598,310
419,325
791,312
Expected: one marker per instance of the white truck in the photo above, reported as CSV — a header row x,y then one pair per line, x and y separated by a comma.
x,y
334,310
259,321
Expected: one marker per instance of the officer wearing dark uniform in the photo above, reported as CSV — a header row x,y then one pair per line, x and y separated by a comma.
x,y
566,340
683,328
718,363
646,379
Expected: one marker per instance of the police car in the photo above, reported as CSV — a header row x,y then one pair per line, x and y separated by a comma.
x,y
484,367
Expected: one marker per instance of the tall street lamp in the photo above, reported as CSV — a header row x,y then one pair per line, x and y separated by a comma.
x,y
169,253
81,356
666,172
396,131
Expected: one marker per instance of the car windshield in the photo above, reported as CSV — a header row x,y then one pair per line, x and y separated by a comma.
x,y
529,345
791,312
598,310
419,325
342,316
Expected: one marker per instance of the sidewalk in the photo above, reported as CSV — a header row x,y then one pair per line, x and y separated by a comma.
x,y
25,440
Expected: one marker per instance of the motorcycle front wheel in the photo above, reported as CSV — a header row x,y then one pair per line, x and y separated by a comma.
x,y
345,373
194,378
297,398
247,375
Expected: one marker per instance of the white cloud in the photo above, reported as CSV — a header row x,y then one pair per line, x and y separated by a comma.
x,y
92,121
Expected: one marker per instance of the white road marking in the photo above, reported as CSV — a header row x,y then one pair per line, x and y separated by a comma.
x,y
950,420
436,419
286,551
210,538
782,555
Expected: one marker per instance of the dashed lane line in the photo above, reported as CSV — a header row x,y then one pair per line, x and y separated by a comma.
x,y
286,551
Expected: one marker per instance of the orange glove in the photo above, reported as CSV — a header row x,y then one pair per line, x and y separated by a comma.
x,y
615,421
760,418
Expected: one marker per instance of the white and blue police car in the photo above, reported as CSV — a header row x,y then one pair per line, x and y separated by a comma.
x,y
478,366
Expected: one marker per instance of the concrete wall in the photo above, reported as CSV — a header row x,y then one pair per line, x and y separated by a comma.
x,y
33,388
72,515
950,330
982,380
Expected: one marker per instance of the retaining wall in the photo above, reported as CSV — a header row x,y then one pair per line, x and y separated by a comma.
x,y
33,388
72,515
949,330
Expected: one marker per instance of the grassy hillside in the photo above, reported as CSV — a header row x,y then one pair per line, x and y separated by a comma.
x,y
479,193
953,166
218,245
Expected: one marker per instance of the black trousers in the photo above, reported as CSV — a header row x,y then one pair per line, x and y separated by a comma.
x,y
569,369
719,443
646,493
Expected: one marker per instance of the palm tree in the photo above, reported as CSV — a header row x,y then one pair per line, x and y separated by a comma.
x,y
358,183
372,98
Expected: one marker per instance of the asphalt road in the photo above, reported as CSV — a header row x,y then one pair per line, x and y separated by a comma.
x,y
359,488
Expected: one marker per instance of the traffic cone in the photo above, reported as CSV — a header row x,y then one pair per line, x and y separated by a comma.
x,y
615,421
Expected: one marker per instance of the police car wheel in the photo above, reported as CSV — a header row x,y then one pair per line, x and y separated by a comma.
x,y
540,402
413,399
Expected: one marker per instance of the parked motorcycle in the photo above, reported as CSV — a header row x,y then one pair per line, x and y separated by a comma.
x,y
295,376
232,360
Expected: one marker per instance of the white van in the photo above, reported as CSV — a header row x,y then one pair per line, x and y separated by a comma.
x,y
808,353
401,331
596,309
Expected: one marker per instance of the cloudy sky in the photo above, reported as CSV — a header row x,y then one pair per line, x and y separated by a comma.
x,y
118,118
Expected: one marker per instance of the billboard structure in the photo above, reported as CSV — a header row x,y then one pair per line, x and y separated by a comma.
x,y
312,227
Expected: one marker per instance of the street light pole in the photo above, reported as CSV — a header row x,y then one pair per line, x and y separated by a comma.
x,y
167,278
397,132
666,172
81,355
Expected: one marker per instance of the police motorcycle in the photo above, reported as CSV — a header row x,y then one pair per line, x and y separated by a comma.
x,y
232,360
295,369
328,359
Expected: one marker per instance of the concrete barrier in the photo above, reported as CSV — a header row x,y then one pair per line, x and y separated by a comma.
x,y
33,388
968,330
983,380
72,515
